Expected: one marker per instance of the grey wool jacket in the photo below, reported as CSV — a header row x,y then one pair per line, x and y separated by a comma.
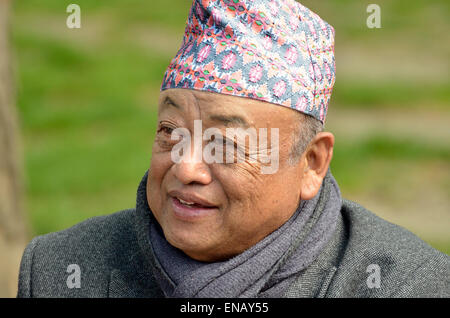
x,y
365,257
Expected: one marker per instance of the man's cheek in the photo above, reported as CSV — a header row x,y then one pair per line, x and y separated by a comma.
x,y
245,173
160,165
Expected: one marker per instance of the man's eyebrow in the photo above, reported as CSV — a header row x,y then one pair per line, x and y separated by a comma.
x,y
233,120
170,101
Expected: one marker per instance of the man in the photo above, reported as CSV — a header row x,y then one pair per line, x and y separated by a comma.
x,y
239,200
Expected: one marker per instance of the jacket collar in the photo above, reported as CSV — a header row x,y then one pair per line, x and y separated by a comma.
x,y
138,281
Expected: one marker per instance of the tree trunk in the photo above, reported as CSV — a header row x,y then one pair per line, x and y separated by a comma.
x,y
13,231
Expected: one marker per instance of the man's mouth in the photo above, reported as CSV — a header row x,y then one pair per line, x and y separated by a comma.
x,y
189,206
192,204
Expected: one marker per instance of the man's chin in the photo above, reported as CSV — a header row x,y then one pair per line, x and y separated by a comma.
x,y
192,242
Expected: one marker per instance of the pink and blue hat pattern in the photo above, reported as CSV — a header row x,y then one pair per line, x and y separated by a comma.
x,y
276,51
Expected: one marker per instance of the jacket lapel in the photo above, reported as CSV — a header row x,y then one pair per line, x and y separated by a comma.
x,y
315,281
123,285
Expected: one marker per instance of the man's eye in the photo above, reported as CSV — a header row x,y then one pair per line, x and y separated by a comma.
x,y
225,143
231,152
165,130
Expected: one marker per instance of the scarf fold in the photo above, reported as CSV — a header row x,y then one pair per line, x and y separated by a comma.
x,y
264,270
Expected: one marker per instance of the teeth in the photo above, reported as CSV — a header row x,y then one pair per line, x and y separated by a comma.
x,y
186,202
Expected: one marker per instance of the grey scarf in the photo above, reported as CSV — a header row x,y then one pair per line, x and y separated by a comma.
x,y
264,270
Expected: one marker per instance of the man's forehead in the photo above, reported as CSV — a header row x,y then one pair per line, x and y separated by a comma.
x,y
215,106
235,110
204,99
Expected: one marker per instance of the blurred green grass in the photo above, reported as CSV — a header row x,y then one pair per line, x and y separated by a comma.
x,y
87,101
351,161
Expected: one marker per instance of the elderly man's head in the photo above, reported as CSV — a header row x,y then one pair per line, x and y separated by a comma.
x,y
261,65
235,204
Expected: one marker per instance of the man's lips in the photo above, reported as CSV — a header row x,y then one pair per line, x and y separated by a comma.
x,y
189,206
190,198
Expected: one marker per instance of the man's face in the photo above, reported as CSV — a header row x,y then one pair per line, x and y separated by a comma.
x,y
236,205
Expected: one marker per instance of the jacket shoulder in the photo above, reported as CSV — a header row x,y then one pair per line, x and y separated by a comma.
x,y
382,259
91,248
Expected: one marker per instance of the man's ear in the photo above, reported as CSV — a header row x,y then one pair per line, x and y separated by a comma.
x,y
316,161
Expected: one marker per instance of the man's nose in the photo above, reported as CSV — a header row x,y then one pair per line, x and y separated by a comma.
x,y
192,169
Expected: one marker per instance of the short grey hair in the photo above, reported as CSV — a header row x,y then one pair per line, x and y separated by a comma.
x,y
306,129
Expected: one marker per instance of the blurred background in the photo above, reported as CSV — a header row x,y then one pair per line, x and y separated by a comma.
x,y
81,113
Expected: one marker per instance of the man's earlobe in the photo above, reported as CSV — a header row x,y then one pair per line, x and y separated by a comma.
x,y
310,184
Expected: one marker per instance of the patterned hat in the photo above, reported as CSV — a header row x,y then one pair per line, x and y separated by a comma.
x,y
277,51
